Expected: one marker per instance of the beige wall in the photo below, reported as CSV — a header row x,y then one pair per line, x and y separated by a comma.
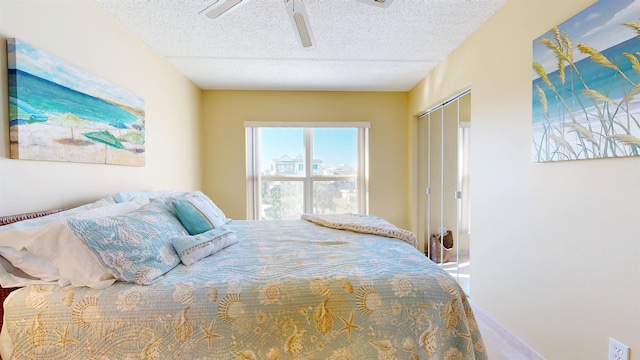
x,y
82,33
555,249
223,137
556,246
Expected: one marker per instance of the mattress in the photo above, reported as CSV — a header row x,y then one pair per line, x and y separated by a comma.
x,y
287,289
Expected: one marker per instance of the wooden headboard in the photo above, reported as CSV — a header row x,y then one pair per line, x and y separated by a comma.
x,y
6,220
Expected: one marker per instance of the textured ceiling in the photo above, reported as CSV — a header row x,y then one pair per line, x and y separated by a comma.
x,y
359,47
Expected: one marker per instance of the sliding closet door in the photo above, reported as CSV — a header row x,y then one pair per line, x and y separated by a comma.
x,y
423,185
464,177
450,170
441,168
437,204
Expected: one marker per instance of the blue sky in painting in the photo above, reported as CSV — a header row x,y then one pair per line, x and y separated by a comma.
x,y
599,26
46,66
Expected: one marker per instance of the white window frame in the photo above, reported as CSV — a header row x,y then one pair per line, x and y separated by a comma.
x,y
253,163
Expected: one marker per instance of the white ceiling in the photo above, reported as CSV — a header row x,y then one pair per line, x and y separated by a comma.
x,y
360,47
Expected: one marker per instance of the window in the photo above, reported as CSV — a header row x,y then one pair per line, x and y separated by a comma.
x,y
284,168
280,183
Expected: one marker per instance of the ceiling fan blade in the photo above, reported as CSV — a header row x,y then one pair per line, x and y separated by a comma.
x,y
221,7
300,21
380,3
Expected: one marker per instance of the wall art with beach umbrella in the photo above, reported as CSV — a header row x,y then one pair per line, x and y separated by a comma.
x,y
59,112
586,81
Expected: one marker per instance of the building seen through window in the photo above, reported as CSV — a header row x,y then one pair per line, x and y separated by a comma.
x,y
284,187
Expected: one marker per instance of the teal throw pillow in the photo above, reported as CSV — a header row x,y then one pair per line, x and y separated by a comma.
x,y
198,214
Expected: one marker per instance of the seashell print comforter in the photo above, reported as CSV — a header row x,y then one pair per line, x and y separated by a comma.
x,y
288,290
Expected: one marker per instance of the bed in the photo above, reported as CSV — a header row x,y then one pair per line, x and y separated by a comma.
x,y
334,288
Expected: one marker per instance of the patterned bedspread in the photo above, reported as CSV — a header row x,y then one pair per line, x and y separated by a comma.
x,y
366,224
287,290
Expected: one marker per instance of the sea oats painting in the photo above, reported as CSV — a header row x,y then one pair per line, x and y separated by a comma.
x,y
59,112
586,80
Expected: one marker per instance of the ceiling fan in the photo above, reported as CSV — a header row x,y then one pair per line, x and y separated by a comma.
x,y
295,9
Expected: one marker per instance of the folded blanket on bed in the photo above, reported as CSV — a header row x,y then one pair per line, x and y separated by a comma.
x,y
366,224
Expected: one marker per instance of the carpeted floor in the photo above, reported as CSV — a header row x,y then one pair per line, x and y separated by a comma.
x,y
499,342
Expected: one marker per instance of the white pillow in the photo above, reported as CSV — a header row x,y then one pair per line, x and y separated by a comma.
x,y
125,196
196,247
30,223
53,252
33,265
13,277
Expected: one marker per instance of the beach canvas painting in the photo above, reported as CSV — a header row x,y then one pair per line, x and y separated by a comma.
x,y
60,112
586,80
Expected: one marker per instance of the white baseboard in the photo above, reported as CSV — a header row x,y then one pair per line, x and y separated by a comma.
x,y
514,342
